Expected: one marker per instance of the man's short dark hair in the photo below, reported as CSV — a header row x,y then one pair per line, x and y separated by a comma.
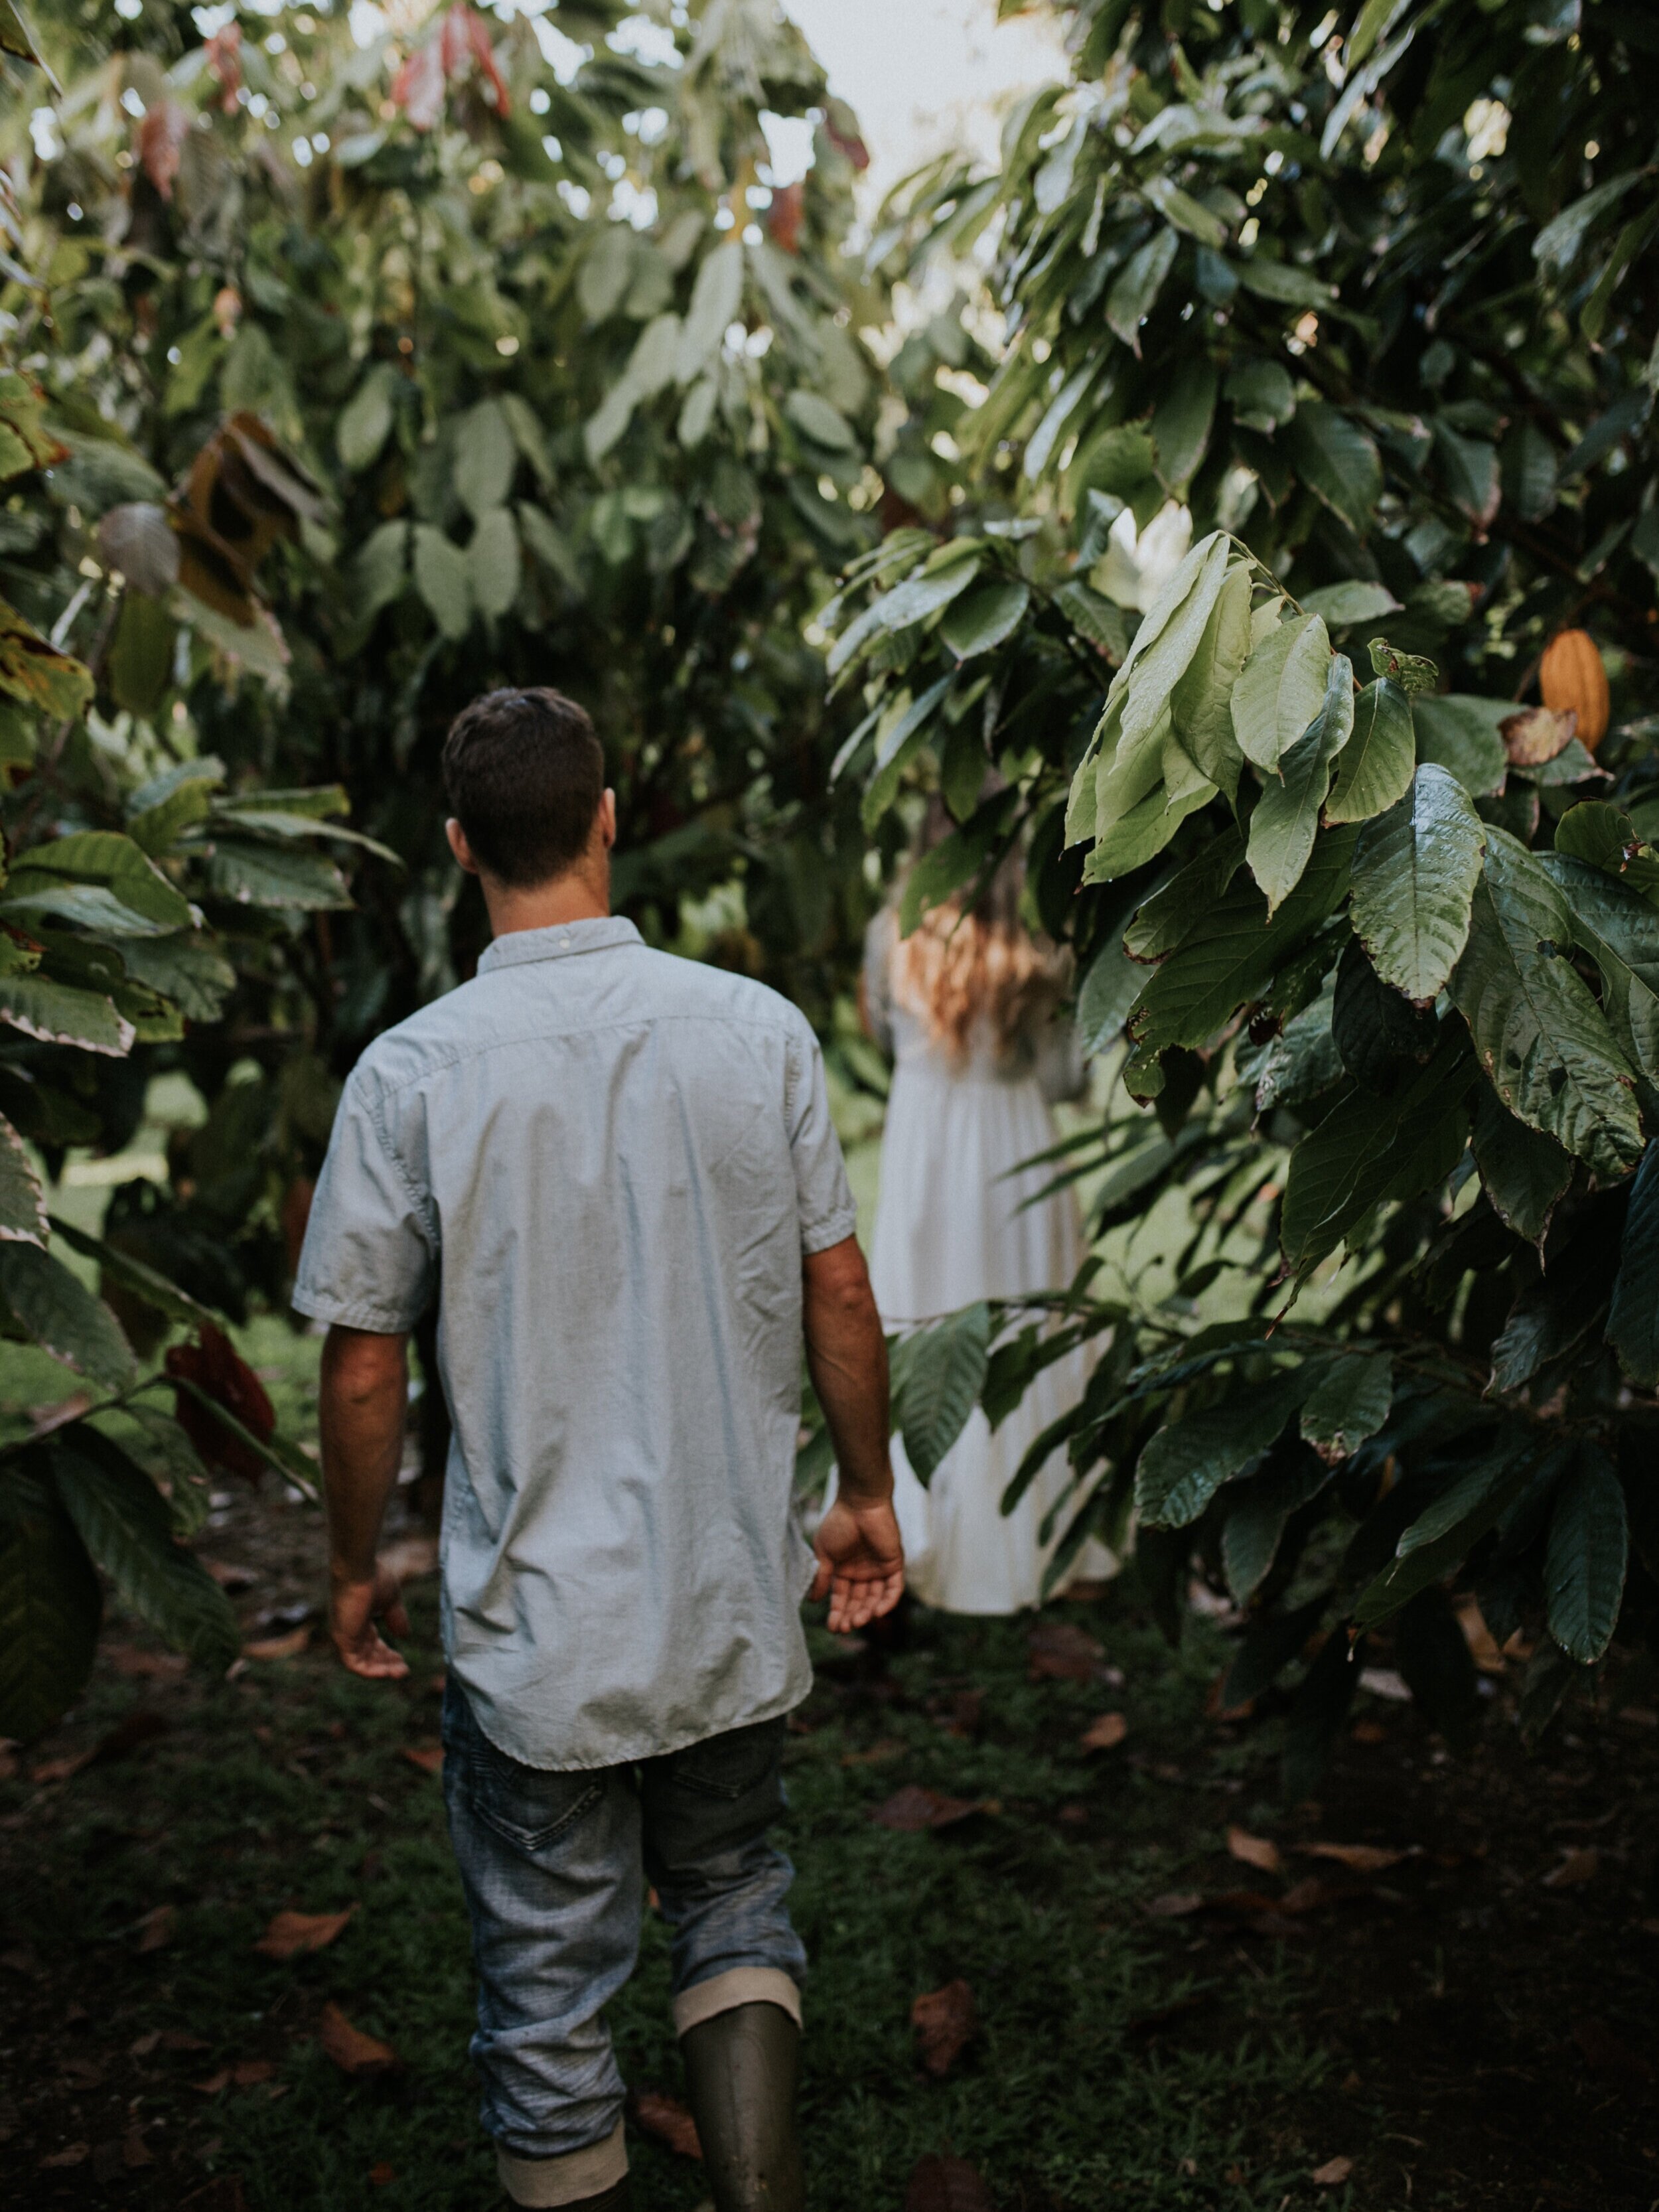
x,y
525,773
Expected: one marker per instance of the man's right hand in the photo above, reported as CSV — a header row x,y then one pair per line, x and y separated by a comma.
x,y
353,1609
861,1563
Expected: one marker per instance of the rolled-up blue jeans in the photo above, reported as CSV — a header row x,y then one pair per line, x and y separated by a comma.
x,y
555,1865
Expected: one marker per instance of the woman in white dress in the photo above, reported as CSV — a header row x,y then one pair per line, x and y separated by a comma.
x,y
968,1006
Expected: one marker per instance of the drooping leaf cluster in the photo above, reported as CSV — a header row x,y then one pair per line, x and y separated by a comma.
x,y
1370,930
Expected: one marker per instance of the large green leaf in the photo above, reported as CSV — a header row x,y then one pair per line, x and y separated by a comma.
x,y
716,295
126,1525
50,1601
1182,419
1371,1148
1131,297
1461,735
1586,1558
1200,700
273,876
1186,1463
1351,602
1619,930
1444,1533
1168,639
1348,1404
1286,818
943,1374
1540,1037
1233,952
1375,770
56,1013
56,1310
1633,1321
155,1290
106,860
908,603
1251,1535
22,1207
1281,690
1165,919
1337,458
485,457
443,578
1524,1174
1109,989
493,563
187,968
364,423
1414,874
982,619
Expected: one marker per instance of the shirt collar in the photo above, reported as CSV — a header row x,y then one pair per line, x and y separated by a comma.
x,y
603,933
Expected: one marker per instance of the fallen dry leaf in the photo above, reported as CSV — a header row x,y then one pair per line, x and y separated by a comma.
x,y
1536,734
1305,1896
1176,1904
1259,1852
247,2074
1580,1864
945,2023
292,1934
666,2119
889,1747
279,1647
135,2151
1605,2052
382,2176
228,1576
1369,1732
1359,1859
1104,1734
947,2185
128,1659
428,1756
60,1769
1483,1646
157,1928
75,2154
144,2045
1332,2173
1061,1652
916,1806
351,2049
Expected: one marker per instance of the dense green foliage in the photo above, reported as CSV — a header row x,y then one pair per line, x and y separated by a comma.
x,y
1379,314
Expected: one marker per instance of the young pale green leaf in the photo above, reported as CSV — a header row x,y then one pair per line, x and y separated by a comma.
x,y
1158,661
22,1206
1524,1174
716,295
1141,835
1375,770
443,580
55,1013
485,457
493,564
1619,930
1540,1037
55,1309
1281,690
820,422
1353,602
1414,874
365,421
907,603
1633,1321
901,733
50,1601
1233,952
1348,1404
1587,1556
1460,734
985,618
1370,1149
124,1523
1286,817
1131,298
942,1379
1201,700
1186,1461
1338,459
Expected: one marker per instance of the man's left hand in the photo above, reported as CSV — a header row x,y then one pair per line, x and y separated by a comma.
x,y
353,1609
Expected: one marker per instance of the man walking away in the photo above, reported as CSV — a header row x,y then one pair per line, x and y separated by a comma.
x,y
619,1170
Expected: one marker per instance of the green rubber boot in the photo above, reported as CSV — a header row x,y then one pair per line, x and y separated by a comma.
x,y
741,2068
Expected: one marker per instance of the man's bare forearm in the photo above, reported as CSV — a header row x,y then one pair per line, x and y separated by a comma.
x,y
846,1358
361,1409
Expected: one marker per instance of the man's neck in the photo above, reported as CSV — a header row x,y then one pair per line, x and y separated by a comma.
x,y
577,897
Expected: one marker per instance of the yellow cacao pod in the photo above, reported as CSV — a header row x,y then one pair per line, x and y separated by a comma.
x,y
1571,676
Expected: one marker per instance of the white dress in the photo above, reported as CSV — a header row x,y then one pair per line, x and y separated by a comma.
x,y
949,1230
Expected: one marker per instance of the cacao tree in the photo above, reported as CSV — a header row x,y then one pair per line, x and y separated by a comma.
x,y
1362,301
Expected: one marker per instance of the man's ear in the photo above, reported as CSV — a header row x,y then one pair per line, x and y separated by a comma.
x,y
607,819
458,846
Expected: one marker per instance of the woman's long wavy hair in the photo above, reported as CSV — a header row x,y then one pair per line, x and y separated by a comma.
x,y
964,966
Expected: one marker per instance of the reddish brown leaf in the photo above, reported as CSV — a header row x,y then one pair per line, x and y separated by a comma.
x,y
128,1659
382,2176
1260,1852
666,2120
917,1806
160,136
875,1755
1331,2174
135,2151
291,1934
214,2083
1536,734
418,87
1104,1734
1061,1652
224,61
351,2049
220,1373
947,2185
1369,1732
428,1756
1175,1904
228,1576
279,1647
1359,1859
1579,1865
75,2154
783,221
945,2023
1305,1896
60,1769
158,1927
143,2045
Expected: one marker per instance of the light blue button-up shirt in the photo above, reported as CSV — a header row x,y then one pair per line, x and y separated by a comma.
x,y
609,1162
